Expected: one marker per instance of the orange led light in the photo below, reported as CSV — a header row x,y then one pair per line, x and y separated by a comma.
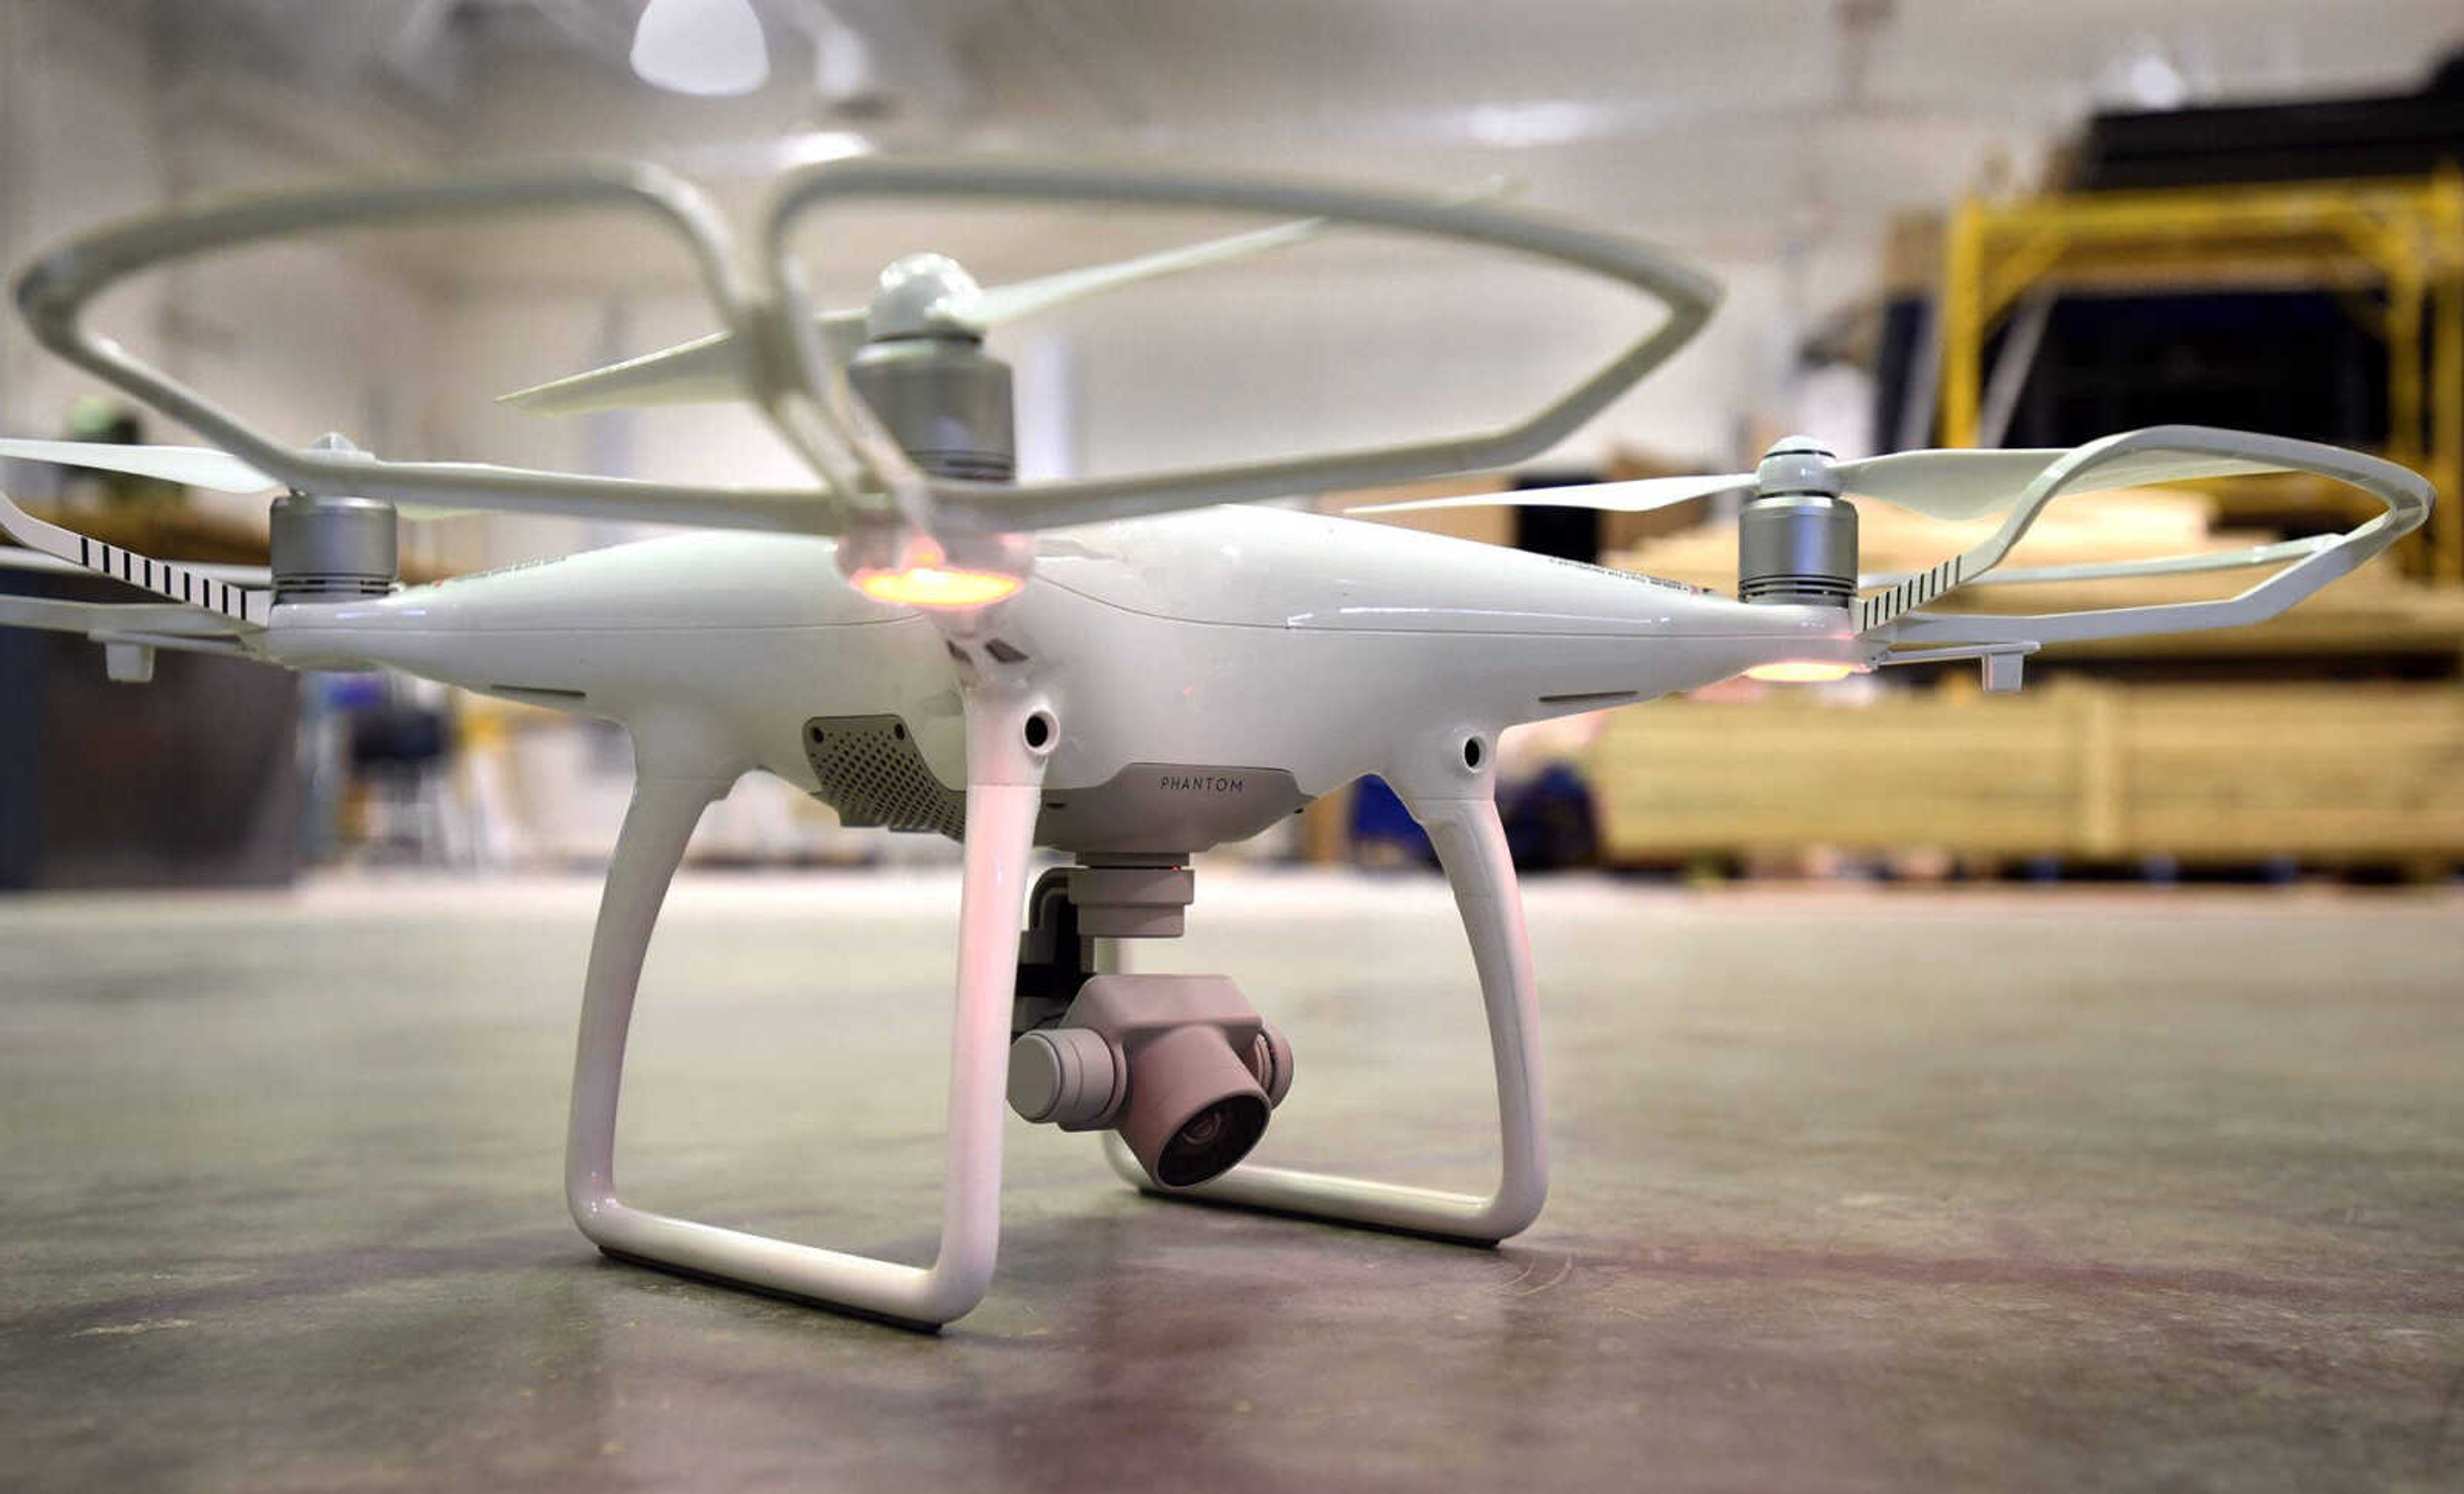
x,y
936,587
1801,671
924,576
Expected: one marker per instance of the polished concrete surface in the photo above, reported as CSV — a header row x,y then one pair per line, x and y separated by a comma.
x,y
2140,1190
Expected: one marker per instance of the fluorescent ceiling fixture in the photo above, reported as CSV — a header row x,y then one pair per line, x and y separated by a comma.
x,y
812,147
2155,83
713,48
1545,123
764,157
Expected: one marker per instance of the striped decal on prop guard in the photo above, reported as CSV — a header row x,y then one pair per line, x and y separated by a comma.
x,y
177,582
1878,607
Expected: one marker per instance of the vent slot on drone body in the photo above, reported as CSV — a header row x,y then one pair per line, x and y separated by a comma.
x,y
870,770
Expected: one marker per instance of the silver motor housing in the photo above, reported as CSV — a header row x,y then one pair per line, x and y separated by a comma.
x,y
331,549
1796,538
944,400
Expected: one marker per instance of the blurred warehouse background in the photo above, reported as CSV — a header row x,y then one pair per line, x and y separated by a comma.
x,y
1971,224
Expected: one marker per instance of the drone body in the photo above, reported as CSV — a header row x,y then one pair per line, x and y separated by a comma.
x,y
1207,673
1116,669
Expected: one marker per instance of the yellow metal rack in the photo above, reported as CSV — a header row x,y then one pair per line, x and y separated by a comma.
x,y
2404,237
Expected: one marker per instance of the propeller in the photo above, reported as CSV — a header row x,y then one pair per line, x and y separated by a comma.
x,y
1796,541
876,476
918,296
1952,484
189,466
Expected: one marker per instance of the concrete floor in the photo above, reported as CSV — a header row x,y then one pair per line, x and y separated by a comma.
x,y
2062,1191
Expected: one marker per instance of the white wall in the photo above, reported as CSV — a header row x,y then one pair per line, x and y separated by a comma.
x,y
296,339
1262,363
78,144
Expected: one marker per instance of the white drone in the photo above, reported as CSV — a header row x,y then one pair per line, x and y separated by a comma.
x,y
1123,670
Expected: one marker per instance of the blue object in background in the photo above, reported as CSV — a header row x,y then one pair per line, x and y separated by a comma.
x,y
1383,831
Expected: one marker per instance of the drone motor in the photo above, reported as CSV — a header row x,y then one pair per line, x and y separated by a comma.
x,y
332,548
1796,536
924,372
945,401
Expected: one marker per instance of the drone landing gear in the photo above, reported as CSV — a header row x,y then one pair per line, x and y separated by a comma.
x,y
1005,776
1471,845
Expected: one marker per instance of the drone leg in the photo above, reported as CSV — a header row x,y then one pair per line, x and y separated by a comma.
x,y
1471,845
1002,797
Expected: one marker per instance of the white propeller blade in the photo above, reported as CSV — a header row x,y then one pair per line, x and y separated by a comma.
x,y
708,368
1007,304
468,487
1954,483
193,466
1974,484
703,371
1637,497
190,466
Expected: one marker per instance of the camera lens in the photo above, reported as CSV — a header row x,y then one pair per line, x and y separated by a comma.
x,y
1212,1141
1193,1109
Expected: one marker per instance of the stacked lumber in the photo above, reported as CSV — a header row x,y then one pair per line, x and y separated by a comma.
x,y
2323,773
1680,777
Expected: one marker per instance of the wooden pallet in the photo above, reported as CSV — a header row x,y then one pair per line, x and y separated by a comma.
x,y
2093,770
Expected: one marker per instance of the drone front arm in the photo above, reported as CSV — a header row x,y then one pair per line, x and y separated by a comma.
x,y
2311,564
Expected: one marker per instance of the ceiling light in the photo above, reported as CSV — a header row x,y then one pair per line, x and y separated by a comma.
x,y
713,48
1515,126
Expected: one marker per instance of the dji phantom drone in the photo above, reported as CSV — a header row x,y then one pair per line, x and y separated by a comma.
x,y
1124,670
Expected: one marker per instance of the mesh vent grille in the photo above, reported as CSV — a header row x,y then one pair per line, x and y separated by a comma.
x,y
869,770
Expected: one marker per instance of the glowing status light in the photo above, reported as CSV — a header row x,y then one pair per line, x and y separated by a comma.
x,y
928,581
1801,671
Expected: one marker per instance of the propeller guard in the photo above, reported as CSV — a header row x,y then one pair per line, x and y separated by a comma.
x,y
861,472
1891,615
